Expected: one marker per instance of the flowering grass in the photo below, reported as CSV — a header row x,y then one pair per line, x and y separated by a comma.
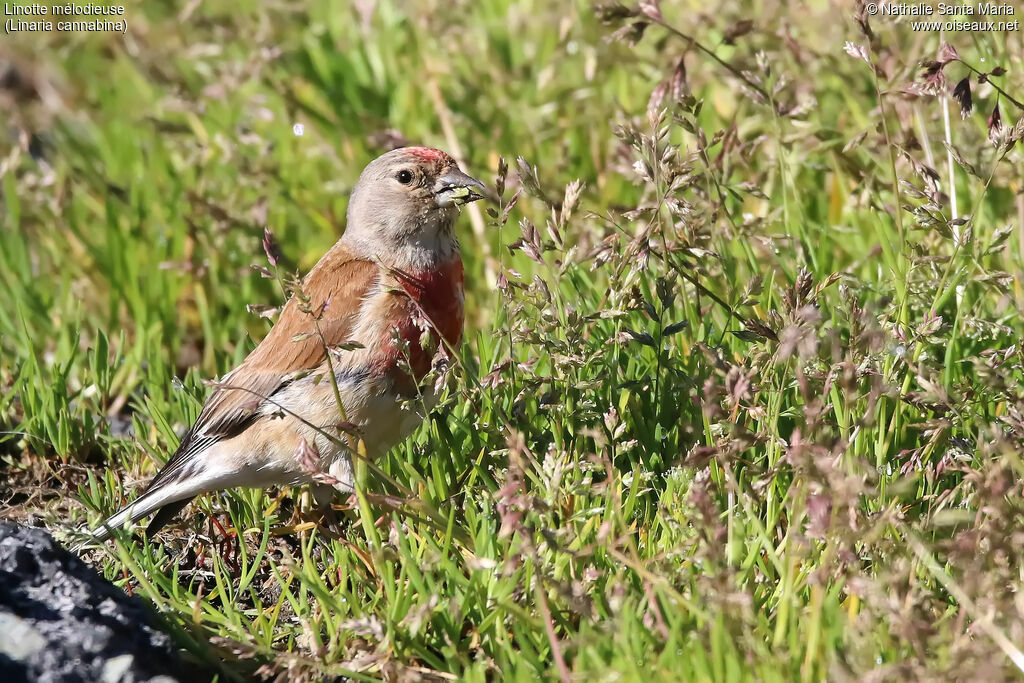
x,y
741,394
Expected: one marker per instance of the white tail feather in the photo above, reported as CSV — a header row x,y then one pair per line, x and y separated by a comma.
x,y
146,504
165,494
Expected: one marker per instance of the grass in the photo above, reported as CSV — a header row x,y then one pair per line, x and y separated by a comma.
x,y
744,402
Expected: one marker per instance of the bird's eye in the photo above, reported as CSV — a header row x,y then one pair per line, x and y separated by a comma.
x,y
404,176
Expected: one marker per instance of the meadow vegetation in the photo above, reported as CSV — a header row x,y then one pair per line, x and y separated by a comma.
x,y
741,394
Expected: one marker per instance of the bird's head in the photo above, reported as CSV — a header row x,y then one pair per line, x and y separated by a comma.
x,y
409,197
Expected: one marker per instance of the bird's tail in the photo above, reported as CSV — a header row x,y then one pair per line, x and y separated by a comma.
x,y
166,498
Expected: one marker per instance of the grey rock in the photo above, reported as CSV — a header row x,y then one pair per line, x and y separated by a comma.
x,y
60,621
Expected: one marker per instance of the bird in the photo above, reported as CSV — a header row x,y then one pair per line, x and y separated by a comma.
x,y
374,311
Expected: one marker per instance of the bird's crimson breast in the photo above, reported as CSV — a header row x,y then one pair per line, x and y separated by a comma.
x,y
439,293
435,303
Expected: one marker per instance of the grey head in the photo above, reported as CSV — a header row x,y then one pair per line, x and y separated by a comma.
x,y
408,198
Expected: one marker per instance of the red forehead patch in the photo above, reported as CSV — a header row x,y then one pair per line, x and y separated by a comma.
x,y
428,154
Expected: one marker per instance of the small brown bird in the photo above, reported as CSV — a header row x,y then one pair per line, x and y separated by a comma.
x,y
392,288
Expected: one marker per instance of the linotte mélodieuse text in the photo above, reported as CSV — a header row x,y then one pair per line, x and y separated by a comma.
x,y
943,9
91,17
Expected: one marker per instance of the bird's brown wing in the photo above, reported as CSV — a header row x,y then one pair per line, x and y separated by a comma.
x,y
335,289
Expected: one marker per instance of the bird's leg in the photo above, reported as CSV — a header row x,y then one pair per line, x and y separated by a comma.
x,y
338,480
321,510
228,546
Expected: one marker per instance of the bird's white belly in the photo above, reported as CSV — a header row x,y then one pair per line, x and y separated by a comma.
x,y
308,409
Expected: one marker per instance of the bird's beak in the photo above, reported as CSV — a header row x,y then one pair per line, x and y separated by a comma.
x,y
455,188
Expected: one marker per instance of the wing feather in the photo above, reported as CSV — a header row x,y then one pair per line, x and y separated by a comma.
x,y
336,285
